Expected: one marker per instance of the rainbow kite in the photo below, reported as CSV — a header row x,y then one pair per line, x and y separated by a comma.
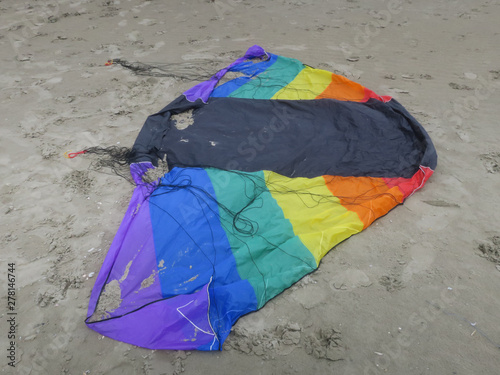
x,y
270,170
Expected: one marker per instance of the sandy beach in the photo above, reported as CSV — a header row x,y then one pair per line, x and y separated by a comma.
x,y
415,293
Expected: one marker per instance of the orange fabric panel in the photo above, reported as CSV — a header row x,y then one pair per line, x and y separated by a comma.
x,y
342,88
369,197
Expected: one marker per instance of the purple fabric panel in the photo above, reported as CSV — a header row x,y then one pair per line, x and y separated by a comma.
x,y
179,323
204,89
135,266
134,237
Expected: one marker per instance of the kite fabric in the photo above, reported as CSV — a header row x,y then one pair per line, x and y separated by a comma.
x,y
272,169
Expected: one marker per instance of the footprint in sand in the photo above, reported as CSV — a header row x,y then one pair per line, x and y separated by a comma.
x,y
491,161
350,279
422,255
491,249
391,282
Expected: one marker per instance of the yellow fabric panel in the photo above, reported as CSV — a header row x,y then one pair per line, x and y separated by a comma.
x,y
317,217
308,84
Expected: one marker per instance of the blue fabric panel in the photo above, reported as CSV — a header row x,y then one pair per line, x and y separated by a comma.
x,y
192,248
247,67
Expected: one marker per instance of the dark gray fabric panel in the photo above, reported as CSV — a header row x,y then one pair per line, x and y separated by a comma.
x,y
296,138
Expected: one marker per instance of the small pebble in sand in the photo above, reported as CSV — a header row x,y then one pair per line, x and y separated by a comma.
x,y
470,75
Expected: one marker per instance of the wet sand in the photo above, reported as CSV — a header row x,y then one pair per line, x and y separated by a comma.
x,y
415,293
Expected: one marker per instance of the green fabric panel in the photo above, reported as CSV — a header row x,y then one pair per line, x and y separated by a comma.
x,y
270,257
269,82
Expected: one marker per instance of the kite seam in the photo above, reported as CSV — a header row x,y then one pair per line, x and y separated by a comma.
x,y
208,314
421,183
194,325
